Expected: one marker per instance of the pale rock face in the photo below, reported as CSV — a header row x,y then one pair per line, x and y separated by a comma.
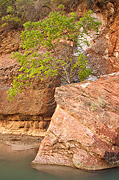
x,y
97,53
103,54
85,126
92,34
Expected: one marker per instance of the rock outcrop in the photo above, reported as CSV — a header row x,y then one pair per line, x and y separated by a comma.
x,y
84,130
103,54
31,111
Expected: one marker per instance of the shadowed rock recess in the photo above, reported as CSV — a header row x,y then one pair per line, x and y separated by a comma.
x,y
84,130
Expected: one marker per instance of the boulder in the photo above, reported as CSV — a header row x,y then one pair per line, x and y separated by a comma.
x,y
84,130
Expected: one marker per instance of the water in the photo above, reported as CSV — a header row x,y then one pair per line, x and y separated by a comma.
x,y
15,165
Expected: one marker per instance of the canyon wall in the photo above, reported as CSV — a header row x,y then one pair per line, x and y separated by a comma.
x,y
31,111
103,53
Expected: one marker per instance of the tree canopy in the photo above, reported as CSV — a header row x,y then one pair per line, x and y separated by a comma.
x,y
44,43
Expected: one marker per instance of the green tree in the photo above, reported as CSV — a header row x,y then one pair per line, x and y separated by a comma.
x,y
53,35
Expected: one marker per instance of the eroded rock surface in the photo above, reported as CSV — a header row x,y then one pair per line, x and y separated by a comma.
x,y
84,130
31,111
103,55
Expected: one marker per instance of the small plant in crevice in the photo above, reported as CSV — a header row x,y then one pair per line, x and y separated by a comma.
x,y
101,102
93,106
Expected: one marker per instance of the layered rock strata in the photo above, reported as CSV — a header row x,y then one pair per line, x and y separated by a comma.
x,y
31,110
84,130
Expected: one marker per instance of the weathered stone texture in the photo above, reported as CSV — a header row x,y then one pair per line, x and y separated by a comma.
x,y
37,103
114,45
85,126
30,127
103,53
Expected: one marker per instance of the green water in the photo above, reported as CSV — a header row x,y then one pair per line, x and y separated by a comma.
x,y
16,166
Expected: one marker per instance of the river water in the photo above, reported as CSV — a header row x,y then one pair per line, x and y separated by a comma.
x,y
16,165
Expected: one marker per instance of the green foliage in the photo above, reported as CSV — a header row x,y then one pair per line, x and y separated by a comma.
x,y
14,13
53,35
3,6
11,21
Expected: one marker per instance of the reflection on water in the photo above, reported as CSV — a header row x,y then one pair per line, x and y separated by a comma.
x,y
67,173
15,165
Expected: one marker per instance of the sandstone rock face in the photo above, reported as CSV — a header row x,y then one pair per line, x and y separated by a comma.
x,y
9,41
103,55
84,130
113,60
32,109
